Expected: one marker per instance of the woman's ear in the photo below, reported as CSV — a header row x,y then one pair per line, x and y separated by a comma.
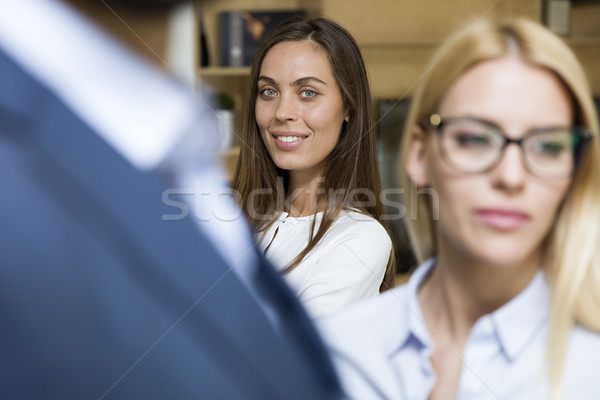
x,y
416,161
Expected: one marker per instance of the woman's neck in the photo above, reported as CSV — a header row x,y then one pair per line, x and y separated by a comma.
x,y
303,192
460,290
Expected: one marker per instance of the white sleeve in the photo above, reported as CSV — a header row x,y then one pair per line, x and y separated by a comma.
x,y
351,266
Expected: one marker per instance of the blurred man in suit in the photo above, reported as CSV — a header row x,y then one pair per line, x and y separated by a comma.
x,y
100,296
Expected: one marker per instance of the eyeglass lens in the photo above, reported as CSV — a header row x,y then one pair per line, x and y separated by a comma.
x,y
473,146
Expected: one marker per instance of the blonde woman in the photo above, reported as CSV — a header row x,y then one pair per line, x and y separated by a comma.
x,y
502,168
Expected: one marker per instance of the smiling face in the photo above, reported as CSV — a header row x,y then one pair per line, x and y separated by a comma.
x,y
299,107
498,217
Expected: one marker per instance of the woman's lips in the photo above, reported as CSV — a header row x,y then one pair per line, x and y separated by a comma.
x,y
288,140
503,220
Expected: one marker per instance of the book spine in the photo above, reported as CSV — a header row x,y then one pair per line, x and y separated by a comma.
x,y
232,35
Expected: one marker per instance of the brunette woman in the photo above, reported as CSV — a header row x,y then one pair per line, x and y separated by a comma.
x,y
307,174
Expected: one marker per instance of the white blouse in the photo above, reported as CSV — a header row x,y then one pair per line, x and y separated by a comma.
x,y
347,265
381,349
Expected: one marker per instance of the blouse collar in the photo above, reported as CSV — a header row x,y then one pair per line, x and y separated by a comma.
x,y
514,325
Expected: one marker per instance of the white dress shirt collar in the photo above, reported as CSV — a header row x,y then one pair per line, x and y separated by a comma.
x,y
136,108
520,320
514,324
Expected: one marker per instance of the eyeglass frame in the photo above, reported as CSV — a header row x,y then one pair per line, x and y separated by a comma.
x,y
436,123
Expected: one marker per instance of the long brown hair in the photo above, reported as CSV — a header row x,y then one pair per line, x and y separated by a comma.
x,y
351,175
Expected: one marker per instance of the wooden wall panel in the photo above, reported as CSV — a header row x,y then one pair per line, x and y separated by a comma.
x,y
394,71
585,20
380,22
588,52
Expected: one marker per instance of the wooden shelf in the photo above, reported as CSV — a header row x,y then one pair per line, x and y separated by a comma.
x,y
229,158
583,41
224,71
405,44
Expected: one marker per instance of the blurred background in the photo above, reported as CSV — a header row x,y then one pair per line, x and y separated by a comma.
x,y
396,37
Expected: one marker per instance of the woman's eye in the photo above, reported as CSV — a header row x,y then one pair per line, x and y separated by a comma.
x,y
268,92
472,140
308,94
551,148
551,145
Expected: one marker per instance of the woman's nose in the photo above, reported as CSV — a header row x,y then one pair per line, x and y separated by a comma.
x,y
510,173
286,109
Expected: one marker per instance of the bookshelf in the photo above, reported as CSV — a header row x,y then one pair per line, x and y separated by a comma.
x,y
232,80
396,37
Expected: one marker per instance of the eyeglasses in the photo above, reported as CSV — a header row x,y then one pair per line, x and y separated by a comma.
x,y
471,145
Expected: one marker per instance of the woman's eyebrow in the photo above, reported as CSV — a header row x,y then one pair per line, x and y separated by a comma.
x,y
267,79
306,80
297,82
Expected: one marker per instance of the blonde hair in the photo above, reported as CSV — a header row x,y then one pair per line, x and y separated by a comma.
x,y
571,260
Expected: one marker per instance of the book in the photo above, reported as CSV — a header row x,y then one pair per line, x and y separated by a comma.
x,y
242,31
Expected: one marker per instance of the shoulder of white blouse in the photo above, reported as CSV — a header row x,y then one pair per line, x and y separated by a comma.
x,y
352,222
583,363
